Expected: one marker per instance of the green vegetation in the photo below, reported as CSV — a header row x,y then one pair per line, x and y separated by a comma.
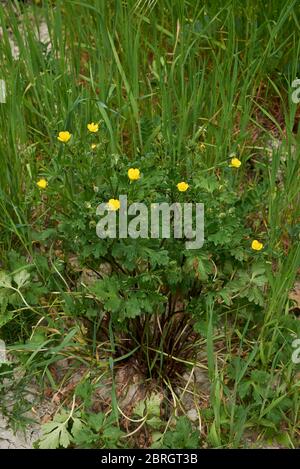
x,y
184,91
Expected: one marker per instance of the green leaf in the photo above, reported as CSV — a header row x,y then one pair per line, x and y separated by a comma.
x,y
55,434
5,316
139,408
158,258
65,437
208,183
112,433
107,290
244,388
132,307
5,280
6,319
153,404
43,235
77,427
154,422
21,278
96,421
50,440
183,437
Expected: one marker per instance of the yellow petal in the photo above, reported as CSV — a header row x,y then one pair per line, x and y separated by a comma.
x,y
133,174
64,136
114,204
92,127
256,245
182,186
42,183
235,163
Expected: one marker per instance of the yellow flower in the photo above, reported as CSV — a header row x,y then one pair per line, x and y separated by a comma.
x,y
133,174
64,136
235,162
182,186
42,183
92,127
256,245
94,146
114,204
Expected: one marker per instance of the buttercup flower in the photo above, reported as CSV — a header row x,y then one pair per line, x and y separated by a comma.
x,y
133,174
94,146
114,204
235,162
92,127
42,183
64,136
256,245
182,186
